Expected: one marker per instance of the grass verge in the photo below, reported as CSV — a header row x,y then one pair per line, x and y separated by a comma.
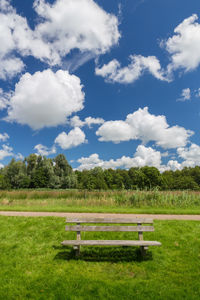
x,y
35,266
152,202
124,210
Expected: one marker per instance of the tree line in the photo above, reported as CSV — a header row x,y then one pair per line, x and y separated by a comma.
x,y
37,171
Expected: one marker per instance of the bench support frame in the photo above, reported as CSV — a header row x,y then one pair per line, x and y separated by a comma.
x,y
137,228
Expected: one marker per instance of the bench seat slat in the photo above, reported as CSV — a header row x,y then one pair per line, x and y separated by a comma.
x,y
110,243
111,220
109,228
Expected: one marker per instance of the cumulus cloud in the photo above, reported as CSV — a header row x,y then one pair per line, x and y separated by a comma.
x,y
4,136
89,121
74,138
44,151
184,53
171,165
9,64
10,67
143,156
141,125
190,155
80,24
185,95
6,151
113,72
115,131
184,45
17,39
76,122
45,99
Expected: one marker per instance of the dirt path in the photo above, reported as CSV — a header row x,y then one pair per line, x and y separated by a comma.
x,y
64,215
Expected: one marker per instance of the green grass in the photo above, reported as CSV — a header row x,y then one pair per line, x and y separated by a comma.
x,y
35,266
168,202
82,209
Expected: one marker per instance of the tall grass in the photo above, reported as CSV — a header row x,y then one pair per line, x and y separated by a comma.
x,y
135,199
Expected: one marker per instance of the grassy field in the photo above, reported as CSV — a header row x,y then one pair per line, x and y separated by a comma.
x,y
35,266
102,201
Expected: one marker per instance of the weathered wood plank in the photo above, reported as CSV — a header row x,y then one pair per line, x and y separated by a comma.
x,y
111,243
109,228
140,233
78,237
110,220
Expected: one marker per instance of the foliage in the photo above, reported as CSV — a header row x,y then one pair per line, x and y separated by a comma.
x,y
37,171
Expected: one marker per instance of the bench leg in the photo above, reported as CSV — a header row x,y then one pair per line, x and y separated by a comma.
x,y
143,250
77,250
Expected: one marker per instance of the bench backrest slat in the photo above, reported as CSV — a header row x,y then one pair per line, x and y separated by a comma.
x,y
109,228
111,220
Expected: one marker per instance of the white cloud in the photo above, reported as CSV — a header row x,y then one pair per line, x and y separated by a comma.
x,y
113,72
144,156
45,99
165,154
19,156
44,151
80,24
89,121
10,67
4,136
6,151
184,45
115,131
76,122
90,162
141,125
171,165
4,99
9,64
197,93
185,95
74,138
18,39
184,53
190,155
174,165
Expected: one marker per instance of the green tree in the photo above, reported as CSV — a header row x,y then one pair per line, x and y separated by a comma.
x,y
62,167
16,174
152,177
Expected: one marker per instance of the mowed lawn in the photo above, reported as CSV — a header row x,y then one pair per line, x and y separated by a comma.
x,y
34,265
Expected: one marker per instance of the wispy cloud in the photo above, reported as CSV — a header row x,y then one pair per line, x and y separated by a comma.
x,y
77,61
185,95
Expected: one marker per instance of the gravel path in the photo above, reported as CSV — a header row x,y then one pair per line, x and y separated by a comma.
x,y
64,215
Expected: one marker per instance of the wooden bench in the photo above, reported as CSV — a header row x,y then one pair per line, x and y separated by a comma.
x,y
120,228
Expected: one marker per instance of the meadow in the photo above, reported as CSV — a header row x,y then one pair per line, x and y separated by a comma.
x,y
172,202
34,265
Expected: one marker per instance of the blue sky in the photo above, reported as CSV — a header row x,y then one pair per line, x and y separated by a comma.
x,y
108,83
